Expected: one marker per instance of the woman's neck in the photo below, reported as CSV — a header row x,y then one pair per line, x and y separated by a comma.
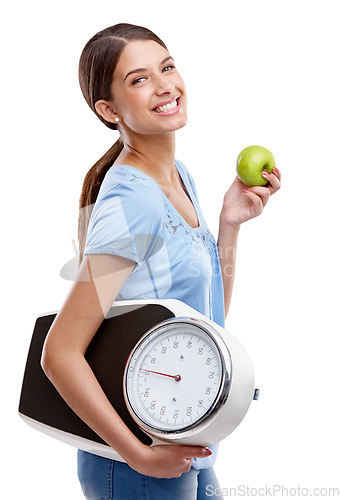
x,y
152,154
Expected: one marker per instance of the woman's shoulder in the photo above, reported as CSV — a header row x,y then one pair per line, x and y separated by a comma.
x,y
128,181
132,190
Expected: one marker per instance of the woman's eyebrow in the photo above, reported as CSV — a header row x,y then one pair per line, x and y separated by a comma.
x,y
139,70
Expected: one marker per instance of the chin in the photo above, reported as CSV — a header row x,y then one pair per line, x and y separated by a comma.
x,y
180,123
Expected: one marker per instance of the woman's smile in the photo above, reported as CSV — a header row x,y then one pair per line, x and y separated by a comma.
x,y
168,107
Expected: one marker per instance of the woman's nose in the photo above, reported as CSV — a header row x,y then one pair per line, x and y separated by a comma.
x,y
164,85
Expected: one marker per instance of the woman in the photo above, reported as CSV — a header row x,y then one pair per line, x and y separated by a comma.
x,y
142,235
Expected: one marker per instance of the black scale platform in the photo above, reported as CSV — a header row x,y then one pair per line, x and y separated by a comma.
x,y
106,354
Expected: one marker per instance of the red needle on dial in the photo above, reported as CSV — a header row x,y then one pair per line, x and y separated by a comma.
x,y
176,377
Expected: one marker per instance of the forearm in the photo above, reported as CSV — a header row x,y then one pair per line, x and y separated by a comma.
x,y
75,381
227,246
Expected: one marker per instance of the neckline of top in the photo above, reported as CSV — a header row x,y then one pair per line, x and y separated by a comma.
x,y
191,198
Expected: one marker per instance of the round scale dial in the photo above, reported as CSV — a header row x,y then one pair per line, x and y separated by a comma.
x,y
174,377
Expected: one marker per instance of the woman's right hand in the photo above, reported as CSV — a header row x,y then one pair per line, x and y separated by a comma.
x,y
167,461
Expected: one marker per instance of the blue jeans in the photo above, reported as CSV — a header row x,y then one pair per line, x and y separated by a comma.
x,y
104,479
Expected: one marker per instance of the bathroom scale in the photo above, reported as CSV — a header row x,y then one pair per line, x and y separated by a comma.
x,y
172,374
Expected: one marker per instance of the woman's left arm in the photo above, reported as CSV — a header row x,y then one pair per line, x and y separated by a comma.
x,y
240,203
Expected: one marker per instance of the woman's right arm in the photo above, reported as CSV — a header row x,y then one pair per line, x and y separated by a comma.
x,y
100,278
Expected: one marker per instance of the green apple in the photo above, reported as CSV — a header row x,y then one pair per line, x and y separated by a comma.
x,y
250,163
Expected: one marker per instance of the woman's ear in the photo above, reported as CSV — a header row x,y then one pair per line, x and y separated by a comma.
x,y
105,110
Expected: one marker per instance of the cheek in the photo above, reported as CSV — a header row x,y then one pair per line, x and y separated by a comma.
x,y
138,101
180,83
181,86
135,110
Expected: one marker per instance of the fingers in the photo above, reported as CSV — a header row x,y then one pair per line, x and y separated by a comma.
x,y
189,464
277,173
172,460
192,452
259,196
186,464
195,451
256,205
274,180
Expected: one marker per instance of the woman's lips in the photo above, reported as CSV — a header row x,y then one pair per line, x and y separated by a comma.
x,y
162,109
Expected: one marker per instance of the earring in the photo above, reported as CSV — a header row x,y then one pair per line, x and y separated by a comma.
x,y
116,119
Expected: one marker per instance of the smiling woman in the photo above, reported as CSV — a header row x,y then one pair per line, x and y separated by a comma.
x,y
142,235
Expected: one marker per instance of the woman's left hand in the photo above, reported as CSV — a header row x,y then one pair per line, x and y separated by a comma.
x,y
242,202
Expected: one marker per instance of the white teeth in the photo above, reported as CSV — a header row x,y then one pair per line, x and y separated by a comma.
x,y
166,107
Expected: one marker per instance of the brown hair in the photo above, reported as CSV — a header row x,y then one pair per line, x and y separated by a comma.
x,y
97,63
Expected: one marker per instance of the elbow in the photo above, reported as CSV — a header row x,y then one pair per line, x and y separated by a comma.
x,y
49,360
46,360
56,359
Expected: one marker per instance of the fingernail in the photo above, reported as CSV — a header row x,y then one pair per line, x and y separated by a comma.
x,y
208,452
276,170
245,190
264,172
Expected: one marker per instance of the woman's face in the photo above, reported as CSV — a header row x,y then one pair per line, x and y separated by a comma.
x,y
149,93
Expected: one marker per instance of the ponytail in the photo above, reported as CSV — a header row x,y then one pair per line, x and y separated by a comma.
x,y
90,189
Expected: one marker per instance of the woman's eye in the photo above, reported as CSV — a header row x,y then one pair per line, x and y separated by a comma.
x,y
167,68
138,80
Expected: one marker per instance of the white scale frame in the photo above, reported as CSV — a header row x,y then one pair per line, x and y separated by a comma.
x,y
236,391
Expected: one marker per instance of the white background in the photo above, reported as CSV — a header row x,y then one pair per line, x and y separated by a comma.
x,y
257,72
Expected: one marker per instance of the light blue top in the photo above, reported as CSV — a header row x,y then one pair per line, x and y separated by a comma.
x,y
133,218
